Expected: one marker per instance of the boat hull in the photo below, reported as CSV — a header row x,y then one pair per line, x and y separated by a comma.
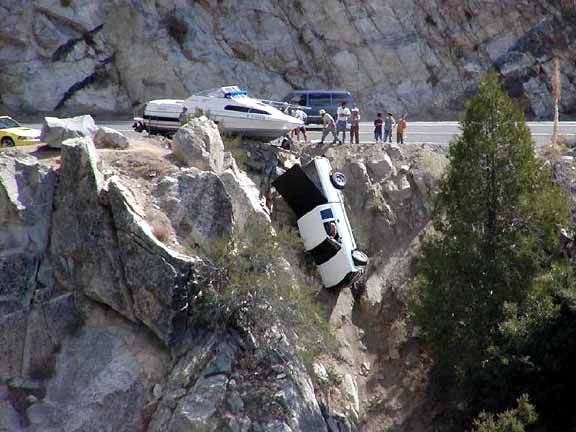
x,y
229,125
234,115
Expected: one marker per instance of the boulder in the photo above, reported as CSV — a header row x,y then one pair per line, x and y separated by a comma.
x,y
245,198
56,130
9,417
195,410
350,392
26,193
12,338
48,324
394,151
427,169
84,242
357,179
381,168
198,206
198,144
161,281
28,339
102,379
109,138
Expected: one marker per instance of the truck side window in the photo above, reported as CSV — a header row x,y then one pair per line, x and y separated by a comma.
x,y
332,230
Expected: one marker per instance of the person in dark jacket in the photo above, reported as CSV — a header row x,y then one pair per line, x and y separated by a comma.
x,y
378,127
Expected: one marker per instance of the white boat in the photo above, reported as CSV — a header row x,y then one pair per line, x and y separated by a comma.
x,y
231,108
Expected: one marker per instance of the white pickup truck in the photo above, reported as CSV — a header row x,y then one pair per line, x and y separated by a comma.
x,y
313,191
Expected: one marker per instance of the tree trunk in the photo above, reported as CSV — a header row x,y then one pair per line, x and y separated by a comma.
x,y
555,127
556,95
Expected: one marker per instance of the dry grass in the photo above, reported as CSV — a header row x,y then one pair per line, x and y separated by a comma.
x,y
232,144
161,226
552,151
161,232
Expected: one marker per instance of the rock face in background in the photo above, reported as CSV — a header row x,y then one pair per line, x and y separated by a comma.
x,y
418,56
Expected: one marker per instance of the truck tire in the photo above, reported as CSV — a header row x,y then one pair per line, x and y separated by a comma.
x,y
359,258
338,180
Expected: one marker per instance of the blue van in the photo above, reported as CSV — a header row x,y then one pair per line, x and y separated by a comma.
x,y
315,100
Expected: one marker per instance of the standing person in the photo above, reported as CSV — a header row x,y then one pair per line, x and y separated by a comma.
x,y
400,129
184,116
302,116
343,113
388,124
355,125
378,127
329,126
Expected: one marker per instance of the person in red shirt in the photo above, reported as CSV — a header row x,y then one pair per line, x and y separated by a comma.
x,y
400,129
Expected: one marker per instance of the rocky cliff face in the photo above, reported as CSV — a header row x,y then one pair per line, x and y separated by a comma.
x,y
104,254
418,56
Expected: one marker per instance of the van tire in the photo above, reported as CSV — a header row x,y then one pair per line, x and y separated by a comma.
x,y
338,180
359,258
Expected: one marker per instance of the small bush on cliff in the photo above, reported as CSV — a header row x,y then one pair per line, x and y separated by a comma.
x,y
233,144
513,420
260,293
496,217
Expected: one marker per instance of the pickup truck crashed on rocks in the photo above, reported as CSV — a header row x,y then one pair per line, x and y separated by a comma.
x,y
314,192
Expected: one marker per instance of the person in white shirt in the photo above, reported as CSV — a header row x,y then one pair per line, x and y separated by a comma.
x,y
342,114
302,116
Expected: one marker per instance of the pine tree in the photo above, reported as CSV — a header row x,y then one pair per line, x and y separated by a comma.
x,y
495,217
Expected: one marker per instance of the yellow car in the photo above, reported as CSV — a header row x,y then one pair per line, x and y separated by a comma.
x,y
13,134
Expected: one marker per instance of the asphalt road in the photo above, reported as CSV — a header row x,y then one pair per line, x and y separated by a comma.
x,y
417,132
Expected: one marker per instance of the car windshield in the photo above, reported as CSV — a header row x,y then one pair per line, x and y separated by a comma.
x,y
7,123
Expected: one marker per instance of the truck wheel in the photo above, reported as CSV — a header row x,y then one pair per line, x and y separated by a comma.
x,y
338,180
359,258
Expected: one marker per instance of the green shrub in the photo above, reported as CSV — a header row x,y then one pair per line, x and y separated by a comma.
x,y
513,420
486,278
258,291
233,144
